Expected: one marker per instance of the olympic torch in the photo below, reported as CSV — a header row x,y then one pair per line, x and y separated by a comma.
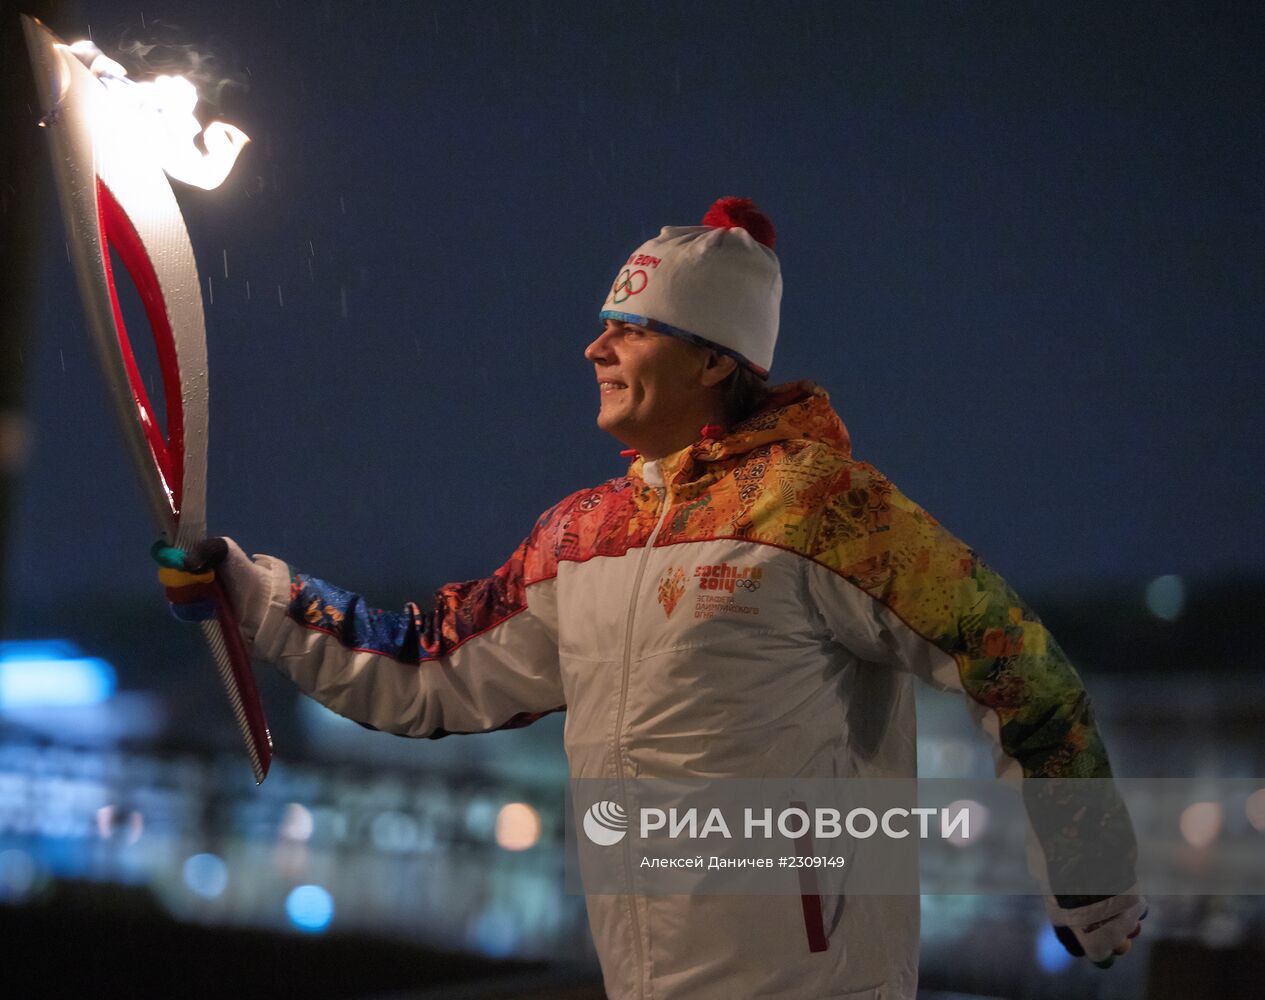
x,y
114,142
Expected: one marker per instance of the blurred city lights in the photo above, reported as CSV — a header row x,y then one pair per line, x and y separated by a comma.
x,y
495,934
978,821
480,818
1052,957
1256,809
517,826
296,822
46,674
17,875
1165,597
112,820
310,908
1201,823
205,875
394,832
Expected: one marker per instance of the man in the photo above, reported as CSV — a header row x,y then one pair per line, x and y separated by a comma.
x,y
619,608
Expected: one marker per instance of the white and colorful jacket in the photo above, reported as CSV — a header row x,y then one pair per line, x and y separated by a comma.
x,y
631,606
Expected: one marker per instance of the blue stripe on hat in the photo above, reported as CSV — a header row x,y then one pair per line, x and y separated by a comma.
x,y
676,331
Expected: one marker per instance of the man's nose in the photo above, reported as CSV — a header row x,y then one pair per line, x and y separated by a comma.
x,y
599,350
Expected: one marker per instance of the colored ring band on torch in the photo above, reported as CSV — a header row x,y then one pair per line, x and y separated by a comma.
x,y
190,594
167,555
169,577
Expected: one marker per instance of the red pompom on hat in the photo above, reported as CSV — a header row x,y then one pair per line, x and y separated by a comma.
x,y
741,213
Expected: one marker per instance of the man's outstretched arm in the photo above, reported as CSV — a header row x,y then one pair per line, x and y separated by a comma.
x,y
896,587
475,657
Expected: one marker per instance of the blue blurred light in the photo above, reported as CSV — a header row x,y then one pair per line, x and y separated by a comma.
x,y
205,875
1165,597
495,934
51,673
1052,957
310,908
17,875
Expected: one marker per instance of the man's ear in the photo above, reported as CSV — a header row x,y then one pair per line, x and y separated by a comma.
x,y
717,368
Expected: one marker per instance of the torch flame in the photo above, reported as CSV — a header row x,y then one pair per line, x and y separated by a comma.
x,y
166,104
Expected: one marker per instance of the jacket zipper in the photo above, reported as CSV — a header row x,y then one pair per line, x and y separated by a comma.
x,y
619,720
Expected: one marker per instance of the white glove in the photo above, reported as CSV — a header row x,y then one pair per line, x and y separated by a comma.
x,y
247,584
1098,930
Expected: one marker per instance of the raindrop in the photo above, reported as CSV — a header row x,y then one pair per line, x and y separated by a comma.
x,y
247,291
342,205
210,290
226,263
62,355
280,301
342,294
311,250
310,273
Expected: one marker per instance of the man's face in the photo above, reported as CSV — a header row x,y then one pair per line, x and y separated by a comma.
x,y
649,383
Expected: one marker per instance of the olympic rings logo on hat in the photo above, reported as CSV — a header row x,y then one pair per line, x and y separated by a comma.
x,y
623,288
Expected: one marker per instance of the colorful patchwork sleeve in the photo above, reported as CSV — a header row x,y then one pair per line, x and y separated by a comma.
x,y
475,657
896,587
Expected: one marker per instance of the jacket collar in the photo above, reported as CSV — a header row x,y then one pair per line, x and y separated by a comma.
x,y
793,411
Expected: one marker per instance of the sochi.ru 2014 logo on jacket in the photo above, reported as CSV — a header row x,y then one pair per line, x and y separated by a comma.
x,y
729,578
717,584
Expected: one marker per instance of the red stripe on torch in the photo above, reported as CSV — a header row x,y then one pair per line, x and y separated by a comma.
x,y
118,232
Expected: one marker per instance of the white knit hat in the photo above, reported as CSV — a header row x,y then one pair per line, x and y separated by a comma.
x,y
718,284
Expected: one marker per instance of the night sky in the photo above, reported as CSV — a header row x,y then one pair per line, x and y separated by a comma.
x,y
1021,247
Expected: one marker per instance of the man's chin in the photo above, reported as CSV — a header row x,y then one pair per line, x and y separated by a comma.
x,y
608,421
613,425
